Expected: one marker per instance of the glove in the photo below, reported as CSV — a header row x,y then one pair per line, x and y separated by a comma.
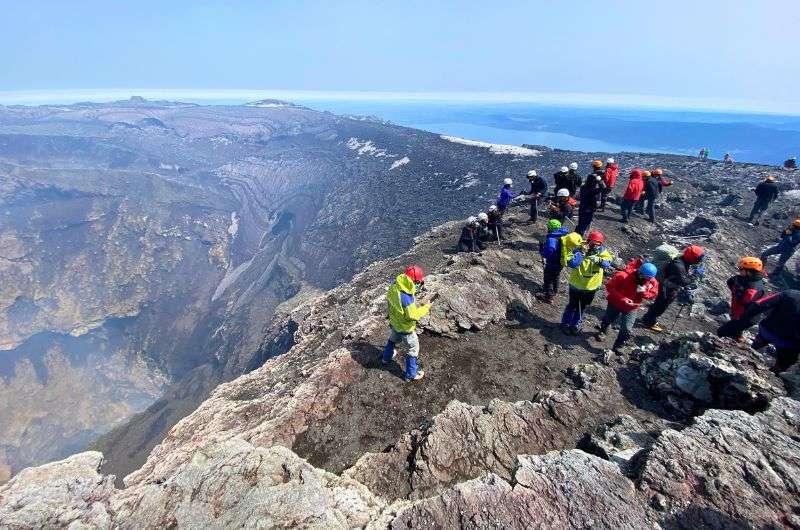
x,y
605,264
594,259
700,271
640,288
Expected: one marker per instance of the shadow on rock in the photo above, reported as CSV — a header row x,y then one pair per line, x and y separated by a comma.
x,y
696,517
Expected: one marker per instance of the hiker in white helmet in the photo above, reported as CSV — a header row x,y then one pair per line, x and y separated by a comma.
x,y
537,191
574,180
469,240
610,175
560,177
560,207
505,196
495,224
484,233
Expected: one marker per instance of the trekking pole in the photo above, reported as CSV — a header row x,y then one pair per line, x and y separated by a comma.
x,y
677,316
497,233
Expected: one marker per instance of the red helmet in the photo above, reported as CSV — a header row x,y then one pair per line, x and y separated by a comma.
x,y
415,273
596,236
636,173
693,254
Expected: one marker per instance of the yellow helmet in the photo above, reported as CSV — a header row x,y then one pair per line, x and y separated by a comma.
x,y
646,173
770,177
658,171
751,263
597,164
796,223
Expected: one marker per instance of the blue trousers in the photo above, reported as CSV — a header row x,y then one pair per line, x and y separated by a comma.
x,y
579,300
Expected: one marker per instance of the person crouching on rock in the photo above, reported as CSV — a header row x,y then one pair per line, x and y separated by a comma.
x,y
484,233
746,287
625,292
588,261
470,240
495,223
632,194
403,316
550,250
537,191
678,278
505,197
779,327
561,208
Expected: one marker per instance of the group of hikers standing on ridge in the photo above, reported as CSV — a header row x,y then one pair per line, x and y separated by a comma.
x,y
670,275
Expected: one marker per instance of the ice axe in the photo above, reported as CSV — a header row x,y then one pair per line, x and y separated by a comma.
x,y
677,316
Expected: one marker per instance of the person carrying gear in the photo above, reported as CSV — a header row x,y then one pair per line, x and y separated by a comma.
x,y
632,194
537,191
639,208
652,189
609,180
746,287
550,250
505,196
591,192
588,260
573,182
484,234
560,177
403,316
676,279
495,223
785,248
625,292
779,327
469,240
790,163
766,192
561,207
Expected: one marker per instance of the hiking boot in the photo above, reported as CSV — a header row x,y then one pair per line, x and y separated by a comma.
x,y
387,363
655,327
419,376
550,300
573,330
600,335
565,329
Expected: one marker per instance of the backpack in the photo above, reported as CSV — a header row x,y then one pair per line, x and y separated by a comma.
x,y
662,255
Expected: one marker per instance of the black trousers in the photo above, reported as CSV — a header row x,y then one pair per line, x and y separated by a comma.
x,y
785,357
534,208
660,305
551,279
758,209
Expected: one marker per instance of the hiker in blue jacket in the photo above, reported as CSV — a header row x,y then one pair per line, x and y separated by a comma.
x,y
505,196
790,239
551,255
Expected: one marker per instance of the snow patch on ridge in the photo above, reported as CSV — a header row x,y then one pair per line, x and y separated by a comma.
x,y
498,149
233,229
470,180
397,163
366,147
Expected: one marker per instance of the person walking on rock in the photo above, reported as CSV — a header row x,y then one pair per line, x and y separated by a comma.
x,y
403,316
766,193
591,192
652,189
561,207
469,240
573,182
625,292
677,277
609,180
639,207
786,247
746,287
779,327
537,191
551,256
505,197
588,260
632,194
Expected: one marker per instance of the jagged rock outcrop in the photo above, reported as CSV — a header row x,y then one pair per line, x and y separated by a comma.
x,y
700,371
622,441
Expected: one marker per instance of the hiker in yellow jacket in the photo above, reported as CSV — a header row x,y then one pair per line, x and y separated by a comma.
x,y
403,316
588,260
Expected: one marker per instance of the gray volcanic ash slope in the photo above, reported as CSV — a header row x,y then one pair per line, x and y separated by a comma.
x,y
514,425
145,245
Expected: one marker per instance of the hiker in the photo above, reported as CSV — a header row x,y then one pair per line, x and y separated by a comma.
x,y
790,239
550,250
639,207
609,180
591,191
469,240
728,159
505,197
625,292
652,189
790,163
632,193
484,233
707,154
403,316
560,178
663,182
779,327
766,192
702,153
495,223
573,182
746,287
677,278
588,260
537,191
561,207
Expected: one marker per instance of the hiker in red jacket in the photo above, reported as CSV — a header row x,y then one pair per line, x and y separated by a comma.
x,y
625,292
610,180
746,287
632,193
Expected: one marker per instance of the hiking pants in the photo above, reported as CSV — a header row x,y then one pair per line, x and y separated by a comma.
x,y
626,321
551,278
784,256
604,198
534,208
584,221
626,207
658,308
785,356
407,341
639,208
579,301
758,209
650,208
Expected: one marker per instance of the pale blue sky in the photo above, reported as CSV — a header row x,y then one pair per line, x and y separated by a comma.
x,y
687,49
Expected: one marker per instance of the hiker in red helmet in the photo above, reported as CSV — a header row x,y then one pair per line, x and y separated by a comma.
x,y
588,260
680,276
403,316
632,194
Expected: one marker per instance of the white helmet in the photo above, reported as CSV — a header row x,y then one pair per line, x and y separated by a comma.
x,y
493,208
563,192
610,160
472,220
532,173
564,169
483,217
573,165
508,182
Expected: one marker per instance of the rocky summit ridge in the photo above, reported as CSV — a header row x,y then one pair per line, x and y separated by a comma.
x,y
514,425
